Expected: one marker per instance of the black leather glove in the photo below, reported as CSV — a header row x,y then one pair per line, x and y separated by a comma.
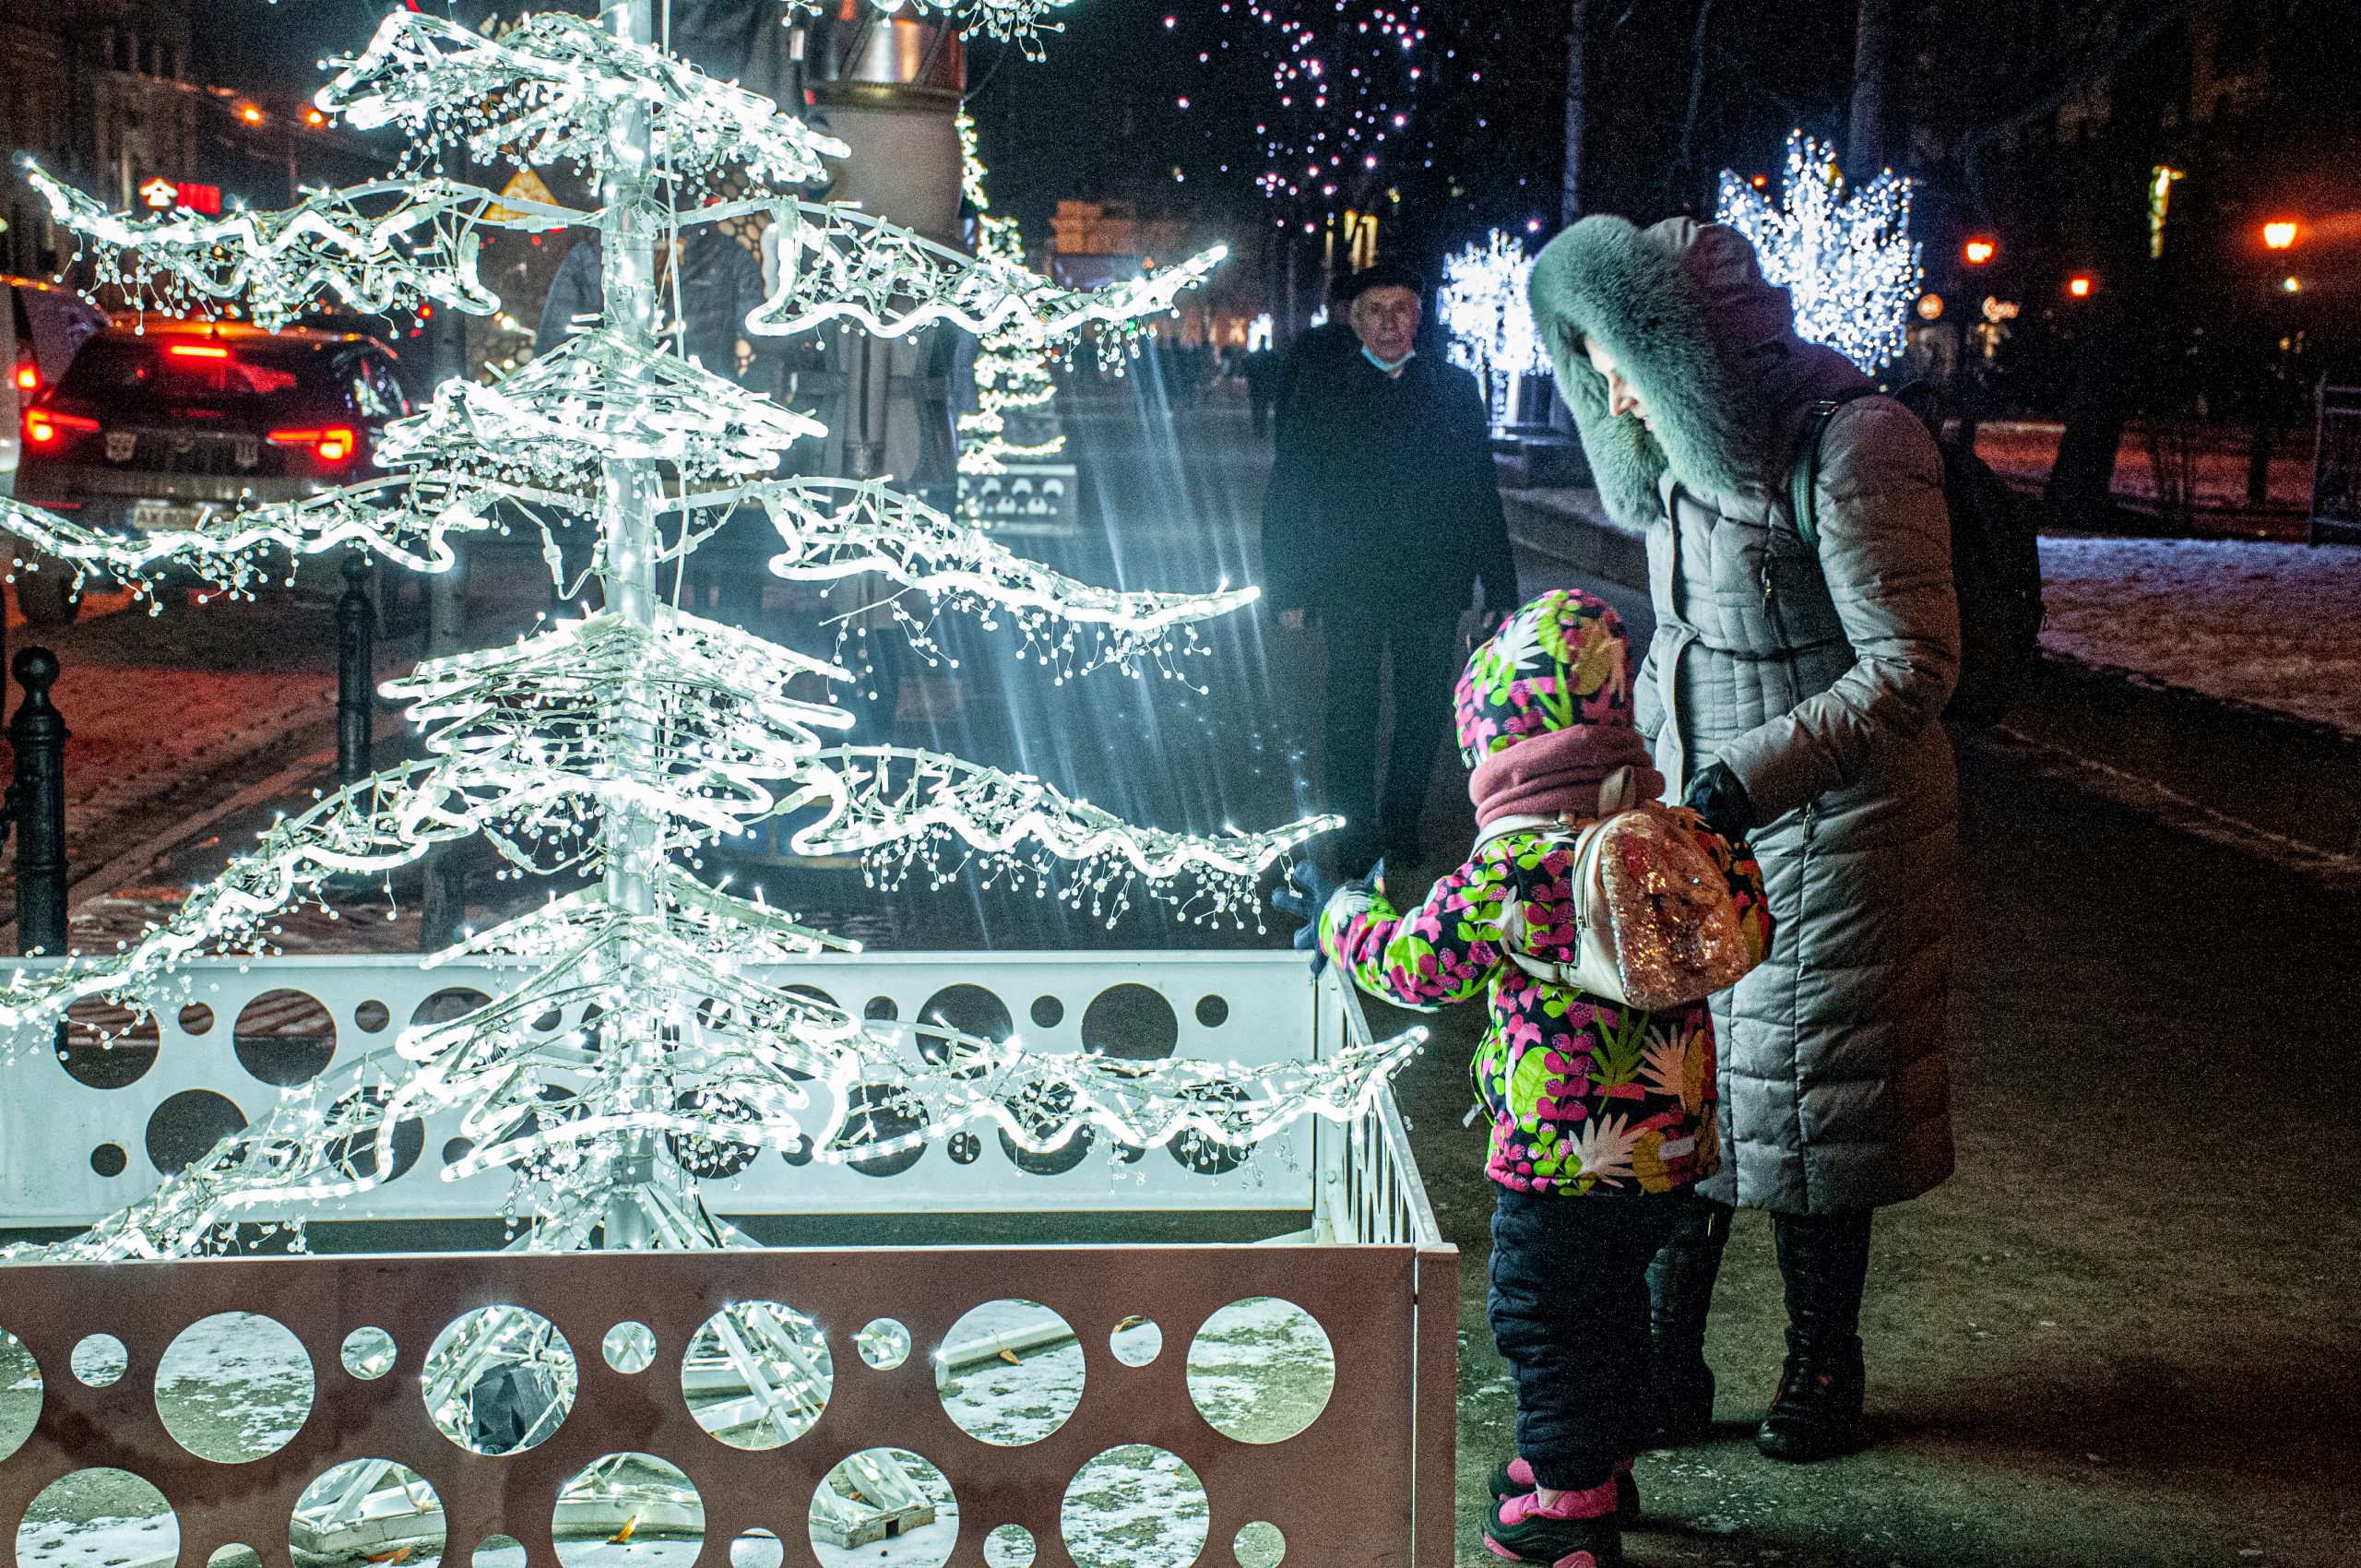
x,y
1717,796
1305,893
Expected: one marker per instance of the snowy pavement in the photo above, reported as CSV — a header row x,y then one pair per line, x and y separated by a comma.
x,y
2275,625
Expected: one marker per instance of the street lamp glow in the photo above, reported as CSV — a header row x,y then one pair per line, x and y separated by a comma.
x,y
2278,235
1979,251
2292,285
2080,285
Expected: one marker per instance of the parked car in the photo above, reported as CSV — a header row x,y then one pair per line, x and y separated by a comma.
x,y
41,327
155,428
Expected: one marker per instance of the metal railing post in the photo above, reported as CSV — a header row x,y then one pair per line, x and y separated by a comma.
x,y
356,630
37,805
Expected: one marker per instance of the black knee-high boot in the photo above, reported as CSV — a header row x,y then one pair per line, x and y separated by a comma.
x,y
1680,1295
1825,1262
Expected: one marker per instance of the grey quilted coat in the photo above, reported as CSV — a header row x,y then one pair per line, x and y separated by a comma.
x,y
1819,683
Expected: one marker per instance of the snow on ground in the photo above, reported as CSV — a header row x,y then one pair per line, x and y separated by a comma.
x,y
2275,625
233,1386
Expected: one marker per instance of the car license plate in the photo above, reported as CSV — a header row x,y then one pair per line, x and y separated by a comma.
x,y
150,517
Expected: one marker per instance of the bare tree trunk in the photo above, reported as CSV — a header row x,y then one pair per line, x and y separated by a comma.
x,y
1873,36
1696,90
1569,196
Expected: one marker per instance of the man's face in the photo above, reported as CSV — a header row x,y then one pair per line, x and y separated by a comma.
x,y
1386,320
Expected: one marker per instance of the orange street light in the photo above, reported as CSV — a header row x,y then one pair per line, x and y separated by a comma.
x,y
250,114
1979,250
2080,285
2278,234
313,118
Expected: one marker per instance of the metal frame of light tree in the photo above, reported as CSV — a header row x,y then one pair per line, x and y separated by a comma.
x,y
1843,253
620,744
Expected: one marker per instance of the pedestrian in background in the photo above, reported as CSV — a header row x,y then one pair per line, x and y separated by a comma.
x,y
1793,694
1383,513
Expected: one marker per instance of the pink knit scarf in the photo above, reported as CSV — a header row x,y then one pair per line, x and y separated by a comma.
x,y
1560,772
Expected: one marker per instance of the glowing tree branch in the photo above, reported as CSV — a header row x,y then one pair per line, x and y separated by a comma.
x,y
1483,306
1845,256
1012,370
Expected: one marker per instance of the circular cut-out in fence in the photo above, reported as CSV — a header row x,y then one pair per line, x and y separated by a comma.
x,y
371,1018
368,1354
284,1037
1136,1341
356,1153
1010,1372
883,1345
498,1552
1136,1506
880,1009
757,1548
964,1148
105,1046
758,1374
1047,1013
1261,1369
99,1360
1045,1112
499,1380
451,1002
100,1516
1200,1154
881,1115
1212,1012
629,1348
1131,1021
458,1150
366,1511
188,1124
108,1160
233,1387
1009,1546
235,1554
196,1018
884,1501
20,1394
710,1153
970,1009
634,1500
1259,1545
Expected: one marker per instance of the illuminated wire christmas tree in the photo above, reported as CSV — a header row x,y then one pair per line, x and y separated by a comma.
x,y
1012,373
1484,304
619,746
1845,255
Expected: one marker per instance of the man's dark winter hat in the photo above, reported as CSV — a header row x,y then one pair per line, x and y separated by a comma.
x,y
1385,275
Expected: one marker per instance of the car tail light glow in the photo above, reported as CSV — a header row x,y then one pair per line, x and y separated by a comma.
x,y
331,445
43,426
198,352
27,372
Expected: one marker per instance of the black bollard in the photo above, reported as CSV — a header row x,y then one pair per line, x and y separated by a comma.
x,y
356,657
37,803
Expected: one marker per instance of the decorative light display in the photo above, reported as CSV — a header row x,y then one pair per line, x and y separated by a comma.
x,y
1344,83
1011,371
1485,305
617,748
1845,256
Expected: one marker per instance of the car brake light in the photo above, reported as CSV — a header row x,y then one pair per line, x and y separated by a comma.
x,y
44,425
333,446
29,377
198,352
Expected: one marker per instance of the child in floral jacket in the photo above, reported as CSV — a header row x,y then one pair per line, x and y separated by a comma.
x,y
1603,1115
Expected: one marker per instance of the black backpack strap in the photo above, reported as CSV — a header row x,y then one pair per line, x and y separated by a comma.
x,y
1803,481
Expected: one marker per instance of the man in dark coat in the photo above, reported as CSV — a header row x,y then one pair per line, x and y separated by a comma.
x,y
1383,513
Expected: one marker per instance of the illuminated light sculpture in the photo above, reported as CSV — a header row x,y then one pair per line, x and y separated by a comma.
x,y
1011,371
1845,255
1484,304
617,747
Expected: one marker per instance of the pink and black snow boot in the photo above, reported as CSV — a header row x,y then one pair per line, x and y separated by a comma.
x,y
1515,1476
1578,1531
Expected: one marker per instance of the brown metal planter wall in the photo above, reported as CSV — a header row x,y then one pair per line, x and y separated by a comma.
x,y
1367,1484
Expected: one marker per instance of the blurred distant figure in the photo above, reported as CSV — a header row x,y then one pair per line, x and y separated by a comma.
x,y
1383,512
721,282
1262,371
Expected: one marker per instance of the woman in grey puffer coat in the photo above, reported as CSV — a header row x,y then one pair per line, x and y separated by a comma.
x,y
1793,695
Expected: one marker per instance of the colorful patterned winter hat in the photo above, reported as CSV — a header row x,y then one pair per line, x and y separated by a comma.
x,y
1558,661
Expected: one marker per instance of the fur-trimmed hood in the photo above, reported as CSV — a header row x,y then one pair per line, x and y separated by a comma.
x,y
1707,342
